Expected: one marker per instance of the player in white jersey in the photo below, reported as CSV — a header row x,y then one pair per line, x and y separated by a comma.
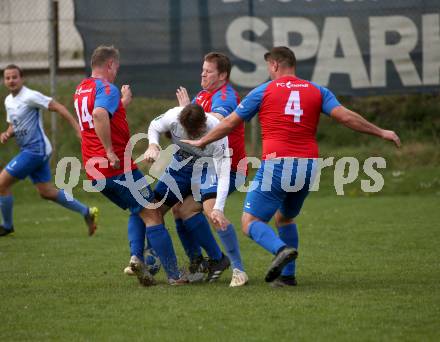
x,y
192,172
24,116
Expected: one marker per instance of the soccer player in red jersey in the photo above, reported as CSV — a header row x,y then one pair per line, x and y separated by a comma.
x,y
289,110
218,98
105,136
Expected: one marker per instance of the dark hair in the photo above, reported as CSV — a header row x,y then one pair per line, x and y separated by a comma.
x,y
221,60
14,67
102,54
283,55
193,119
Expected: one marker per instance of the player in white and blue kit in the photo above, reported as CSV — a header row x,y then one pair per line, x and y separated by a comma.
x,y
24,115
186,176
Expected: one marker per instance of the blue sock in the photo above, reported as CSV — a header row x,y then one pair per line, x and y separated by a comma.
x,y
149,260
190,245
6,204
289,234
152,260
136,235
263,234
199,227
163,246
230,243
74,205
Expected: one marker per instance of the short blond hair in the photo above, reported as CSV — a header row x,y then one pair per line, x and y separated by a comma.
x,y
102,54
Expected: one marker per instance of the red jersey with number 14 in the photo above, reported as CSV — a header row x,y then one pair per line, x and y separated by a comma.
x,y
90,94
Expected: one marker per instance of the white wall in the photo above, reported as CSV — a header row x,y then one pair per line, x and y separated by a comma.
x,y
24,34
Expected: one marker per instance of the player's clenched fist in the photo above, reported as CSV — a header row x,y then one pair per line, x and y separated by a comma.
x,y
126,95
115,163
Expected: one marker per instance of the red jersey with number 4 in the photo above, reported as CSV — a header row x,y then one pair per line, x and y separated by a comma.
x,y
90,94
223,101
289,110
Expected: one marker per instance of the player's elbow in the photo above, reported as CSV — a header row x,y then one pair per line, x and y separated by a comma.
x,y
342,115
55,106
99,115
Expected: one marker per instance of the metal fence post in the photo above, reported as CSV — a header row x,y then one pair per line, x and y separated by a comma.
x,y
53,67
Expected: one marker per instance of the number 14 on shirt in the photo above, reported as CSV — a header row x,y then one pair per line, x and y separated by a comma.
x,y
83,114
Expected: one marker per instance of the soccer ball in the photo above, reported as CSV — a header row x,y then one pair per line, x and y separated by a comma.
x,y
151,261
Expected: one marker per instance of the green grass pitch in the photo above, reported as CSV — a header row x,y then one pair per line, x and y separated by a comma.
x,y
368,270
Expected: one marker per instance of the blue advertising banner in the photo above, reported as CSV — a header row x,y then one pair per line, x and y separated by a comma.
x,y
354,47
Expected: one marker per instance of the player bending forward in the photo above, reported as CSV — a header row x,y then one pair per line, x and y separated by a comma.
x,y
187,176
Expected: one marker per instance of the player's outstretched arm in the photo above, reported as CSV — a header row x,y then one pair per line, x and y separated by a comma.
x,y
9,133
356,122
159,125
216,115
225,127
55,106
102,128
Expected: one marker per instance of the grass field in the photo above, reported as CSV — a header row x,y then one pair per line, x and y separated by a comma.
x,y
368,270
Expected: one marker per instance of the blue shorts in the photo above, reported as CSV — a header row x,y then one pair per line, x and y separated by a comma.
x,y
128,196
175,185
30,164
236,179
282,184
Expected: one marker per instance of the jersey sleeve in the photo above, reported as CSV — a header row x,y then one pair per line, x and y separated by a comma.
x,y
222,163
162,124
8,118
224,104
329,100
107,97
251,103
37,99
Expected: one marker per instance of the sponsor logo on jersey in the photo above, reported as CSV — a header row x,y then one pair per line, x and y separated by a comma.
x,y
80,91
290,85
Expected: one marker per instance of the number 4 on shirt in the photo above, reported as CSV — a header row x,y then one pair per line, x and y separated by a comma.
x,y
83,115
293,106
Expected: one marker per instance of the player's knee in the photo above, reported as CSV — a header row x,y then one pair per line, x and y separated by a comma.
x,y
281,220
246,220
47,195
189,209
176,210
151,217
5,186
